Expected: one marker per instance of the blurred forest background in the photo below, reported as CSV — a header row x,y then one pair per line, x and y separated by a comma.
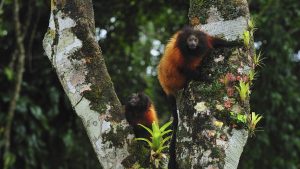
x,y
47,134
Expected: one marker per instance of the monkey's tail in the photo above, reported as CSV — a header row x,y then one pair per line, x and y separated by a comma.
x,y
172,149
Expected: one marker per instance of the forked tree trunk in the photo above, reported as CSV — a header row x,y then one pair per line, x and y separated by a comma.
x,y
71,46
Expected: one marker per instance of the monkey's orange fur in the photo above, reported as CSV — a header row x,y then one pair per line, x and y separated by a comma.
x,y
149,117
169,75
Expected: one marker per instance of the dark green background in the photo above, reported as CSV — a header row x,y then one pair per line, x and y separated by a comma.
x,y
47,134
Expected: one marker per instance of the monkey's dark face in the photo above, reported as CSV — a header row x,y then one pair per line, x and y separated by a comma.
x,y
192,42
138,100
137,104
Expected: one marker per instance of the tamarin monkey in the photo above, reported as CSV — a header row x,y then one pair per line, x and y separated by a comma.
x,y
180,63
140,110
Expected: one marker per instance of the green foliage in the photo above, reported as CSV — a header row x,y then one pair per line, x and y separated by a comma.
x,y
257,59
3,31
246,38
9,160
252,121
135,41
276,91
8,73
157,142
247,121
49,136
251,24
243,89
252,75
238,118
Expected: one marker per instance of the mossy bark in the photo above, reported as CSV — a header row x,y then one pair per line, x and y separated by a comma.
x,y
208,136
71,46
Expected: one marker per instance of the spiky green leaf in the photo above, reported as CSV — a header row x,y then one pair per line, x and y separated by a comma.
x,y
146,140
146,128
161,149
166,132
166,139
166,125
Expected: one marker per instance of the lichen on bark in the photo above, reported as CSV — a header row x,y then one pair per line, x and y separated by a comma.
x,y
224,10
71,46
207,135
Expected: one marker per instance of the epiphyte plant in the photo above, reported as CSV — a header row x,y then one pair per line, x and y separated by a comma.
x,y
253,119
157,136
244,90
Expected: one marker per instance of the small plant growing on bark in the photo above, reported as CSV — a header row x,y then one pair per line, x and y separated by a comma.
x,y
244,90
239,118
246,38
251,24
252,120
157,136
252,76
257,59
157,143
248,121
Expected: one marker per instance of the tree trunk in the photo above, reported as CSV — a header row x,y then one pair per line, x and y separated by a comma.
x,y
71,46
207,135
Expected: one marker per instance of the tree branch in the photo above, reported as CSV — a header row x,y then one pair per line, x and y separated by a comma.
x,y
28,20
31,39
18,77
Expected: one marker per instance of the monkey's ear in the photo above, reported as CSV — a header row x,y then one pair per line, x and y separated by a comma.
x,y
219,42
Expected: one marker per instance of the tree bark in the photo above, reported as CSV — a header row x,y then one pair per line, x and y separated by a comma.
x,y
207,137
71,46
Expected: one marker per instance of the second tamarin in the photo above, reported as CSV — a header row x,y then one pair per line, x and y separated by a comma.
x,y
180,63
139,109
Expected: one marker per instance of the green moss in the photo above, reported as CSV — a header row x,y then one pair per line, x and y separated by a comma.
x,y
117,137
185,164
197,9
139,156
102,91
99,97
228,9
217,153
